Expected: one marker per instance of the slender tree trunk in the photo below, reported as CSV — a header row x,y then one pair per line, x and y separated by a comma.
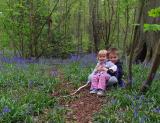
x,y
90,29
94,24
126,30
156,62
146,42
31,54
21,33
118,25
136,37
79,31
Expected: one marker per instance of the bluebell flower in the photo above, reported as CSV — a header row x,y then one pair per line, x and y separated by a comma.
x,y
6,110
156,110
143,119
74,57
113,101
19,60
6,60
54,73
157,76
135,112
30,83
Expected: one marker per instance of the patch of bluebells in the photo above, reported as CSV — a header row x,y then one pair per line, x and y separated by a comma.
x,y
18,60
54,72
85,59
30,83
143,119
5,110
114,101
74,57
30,109
157,76
88,59
136,103
156,110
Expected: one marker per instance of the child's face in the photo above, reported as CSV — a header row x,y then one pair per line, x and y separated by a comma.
x,y
113,57
102,57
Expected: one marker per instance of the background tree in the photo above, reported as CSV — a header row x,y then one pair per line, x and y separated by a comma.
x,y
156,58
146,42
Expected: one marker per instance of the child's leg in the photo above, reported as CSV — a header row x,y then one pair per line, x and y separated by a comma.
x,y
94,81
102,80
90,77
112,80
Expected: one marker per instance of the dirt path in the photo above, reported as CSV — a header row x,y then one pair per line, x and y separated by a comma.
x,y
81,106
85,106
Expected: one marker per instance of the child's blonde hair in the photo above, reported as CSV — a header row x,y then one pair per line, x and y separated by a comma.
x,y
102,52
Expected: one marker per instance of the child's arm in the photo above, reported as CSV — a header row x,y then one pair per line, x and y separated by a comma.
x,y
120,70
96,68
113,69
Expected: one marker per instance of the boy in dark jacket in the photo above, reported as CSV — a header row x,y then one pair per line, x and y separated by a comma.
x,y
116,77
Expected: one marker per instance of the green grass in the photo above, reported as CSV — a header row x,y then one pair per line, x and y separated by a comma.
x,y
123,105
129,106
25,95
24,92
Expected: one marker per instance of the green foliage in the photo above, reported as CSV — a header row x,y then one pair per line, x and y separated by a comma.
x,y
57,115
154,12
123,105
128,105
24,94
153,27
76,73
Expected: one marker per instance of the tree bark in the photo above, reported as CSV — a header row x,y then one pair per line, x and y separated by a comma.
x,y
90,29
146,42
94,24
79,31
156,62
136,35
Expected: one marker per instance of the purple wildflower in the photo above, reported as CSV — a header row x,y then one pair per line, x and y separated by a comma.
x,y
113,101
6,60
135,113
156,110
54,73
143,119
30,83
6,109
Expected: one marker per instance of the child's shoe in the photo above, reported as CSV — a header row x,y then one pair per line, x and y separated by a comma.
x,y
100,93
93,91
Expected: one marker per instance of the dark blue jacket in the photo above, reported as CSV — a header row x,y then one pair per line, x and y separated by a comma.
x,y
118,73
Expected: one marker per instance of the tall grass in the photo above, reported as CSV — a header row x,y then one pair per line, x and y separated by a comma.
x,y
25,90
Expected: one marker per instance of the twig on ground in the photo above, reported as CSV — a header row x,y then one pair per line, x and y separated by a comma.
x,y
80,88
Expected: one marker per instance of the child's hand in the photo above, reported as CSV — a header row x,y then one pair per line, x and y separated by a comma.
x,y
99,68
104,69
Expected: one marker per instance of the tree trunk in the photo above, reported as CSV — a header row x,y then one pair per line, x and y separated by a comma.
x,y
31,30
94,24
79,31
90,29
155,65
146,42
136,35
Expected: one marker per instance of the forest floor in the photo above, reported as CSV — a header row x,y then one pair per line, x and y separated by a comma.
x,y
81,106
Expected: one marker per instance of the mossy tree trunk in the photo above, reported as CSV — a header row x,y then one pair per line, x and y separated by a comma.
x,y
156,62
146,41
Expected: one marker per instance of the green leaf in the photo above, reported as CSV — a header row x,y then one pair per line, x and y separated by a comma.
x,y
151,27
154,12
